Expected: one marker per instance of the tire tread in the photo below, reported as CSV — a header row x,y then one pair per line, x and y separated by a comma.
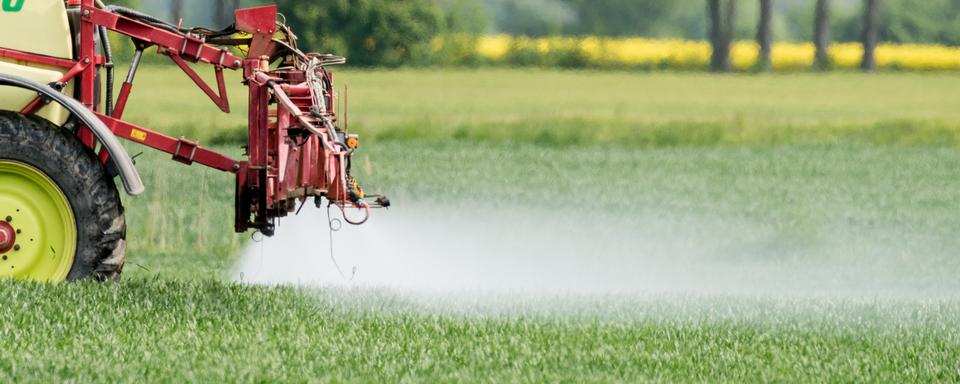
x,y
97,210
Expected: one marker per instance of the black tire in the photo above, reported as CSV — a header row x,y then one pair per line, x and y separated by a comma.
x,y
93,196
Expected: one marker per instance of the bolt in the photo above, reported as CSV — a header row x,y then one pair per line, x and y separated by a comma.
x,y
86,61
18,231
236,167
9,219
16,247
236,63
4,257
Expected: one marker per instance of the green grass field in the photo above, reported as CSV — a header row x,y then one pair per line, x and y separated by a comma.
x,y
634,109
857,173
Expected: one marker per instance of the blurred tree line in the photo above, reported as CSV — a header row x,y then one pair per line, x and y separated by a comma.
x,y
390,32
903,21
395,32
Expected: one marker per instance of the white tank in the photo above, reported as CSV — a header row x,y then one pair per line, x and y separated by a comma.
x,y
35,26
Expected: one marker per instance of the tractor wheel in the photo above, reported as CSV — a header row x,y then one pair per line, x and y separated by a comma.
x,y
60,214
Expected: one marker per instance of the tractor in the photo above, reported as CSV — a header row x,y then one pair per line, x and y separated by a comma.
x,y
62,119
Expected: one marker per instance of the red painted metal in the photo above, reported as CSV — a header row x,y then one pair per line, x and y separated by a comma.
x,y
122,98
261,22
87,83
257,19
37,102
8,237
221,99
184,150
294,150
36,58
190,48
33,106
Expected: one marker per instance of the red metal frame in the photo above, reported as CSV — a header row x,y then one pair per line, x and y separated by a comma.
x,y
36,58
290,158
37,102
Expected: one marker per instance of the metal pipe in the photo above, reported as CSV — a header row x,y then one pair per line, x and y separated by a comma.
x,y
134,65
108,54
294,110
127,86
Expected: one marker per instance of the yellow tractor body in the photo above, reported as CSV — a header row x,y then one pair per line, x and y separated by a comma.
x,y
41,27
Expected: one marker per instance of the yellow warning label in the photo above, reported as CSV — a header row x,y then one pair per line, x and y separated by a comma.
x,y
138,134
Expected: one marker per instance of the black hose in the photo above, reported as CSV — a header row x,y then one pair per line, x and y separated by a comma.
x,y
124,11
108,53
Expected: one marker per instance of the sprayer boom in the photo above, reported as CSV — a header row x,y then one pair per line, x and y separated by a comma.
x,y
296,147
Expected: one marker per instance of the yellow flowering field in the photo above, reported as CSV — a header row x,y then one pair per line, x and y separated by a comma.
x,y
644,53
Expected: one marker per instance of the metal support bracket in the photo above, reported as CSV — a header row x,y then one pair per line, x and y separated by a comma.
x,y
220,99
186,151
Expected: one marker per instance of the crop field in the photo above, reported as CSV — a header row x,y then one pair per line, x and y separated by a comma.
x,y
678,227
675,54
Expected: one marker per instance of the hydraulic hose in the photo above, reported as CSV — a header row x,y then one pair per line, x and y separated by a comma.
x,y
143,17
108,53
123,11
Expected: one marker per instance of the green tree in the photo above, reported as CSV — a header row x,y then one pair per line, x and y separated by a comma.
x,y
368,32
821,35
905,21
532,17
921,21
623,17
765,36
223,12
722,19
871,30
465,16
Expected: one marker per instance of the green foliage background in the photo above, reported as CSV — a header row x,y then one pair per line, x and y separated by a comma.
x,y
369,32
400,32
397,32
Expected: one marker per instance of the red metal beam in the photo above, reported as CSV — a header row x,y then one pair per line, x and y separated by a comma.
x,y
37,102
182,150
261,23
88,78
187,47
36,58
221,100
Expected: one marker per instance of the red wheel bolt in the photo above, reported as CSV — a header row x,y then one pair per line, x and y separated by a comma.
x,y
8,237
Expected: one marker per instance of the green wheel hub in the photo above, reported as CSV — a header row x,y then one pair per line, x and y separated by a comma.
x,y
43,242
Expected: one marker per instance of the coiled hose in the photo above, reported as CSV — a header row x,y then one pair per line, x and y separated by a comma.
x,y
108,54
124,11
